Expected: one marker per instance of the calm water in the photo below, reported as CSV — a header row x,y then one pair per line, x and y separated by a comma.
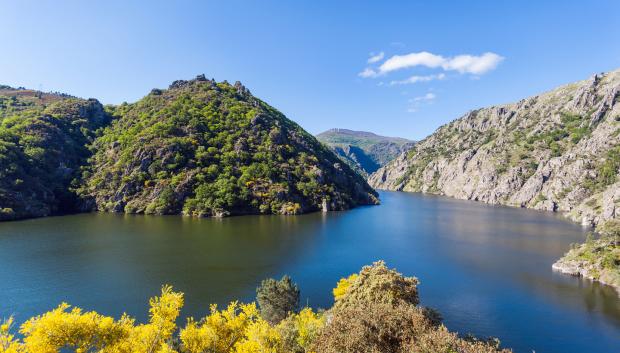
x,y
486,268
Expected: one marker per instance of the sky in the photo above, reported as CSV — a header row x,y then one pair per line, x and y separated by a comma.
x,y
396,68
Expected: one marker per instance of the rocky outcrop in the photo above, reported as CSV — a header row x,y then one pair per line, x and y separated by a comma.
x,y
596,259
558,151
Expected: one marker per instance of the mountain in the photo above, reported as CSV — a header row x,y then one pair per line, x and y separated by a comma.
x,y
364,151
43,139
213,149
558,151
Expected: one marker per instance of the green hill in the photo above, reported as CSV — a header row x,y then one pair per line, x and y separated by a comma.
x,y
212,149
364,151
43,138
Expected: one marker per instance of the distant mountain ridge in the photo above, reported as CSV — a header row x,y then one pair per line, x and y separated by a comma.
x,y
364,151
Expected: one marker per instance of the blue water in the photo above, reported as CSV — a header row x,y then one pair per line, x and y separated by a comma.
x,y
486,268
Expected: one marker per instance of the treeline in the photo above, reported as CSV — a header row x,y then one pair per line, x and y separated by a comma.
x,y
375,310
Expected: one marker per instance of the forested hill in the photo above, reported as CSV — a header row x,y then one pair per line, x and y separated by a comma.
x,y
212,149
364,151
558,151
43,138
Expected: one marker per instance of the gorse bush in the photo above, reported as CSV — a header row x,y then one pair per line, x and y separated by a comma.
x,y
376,312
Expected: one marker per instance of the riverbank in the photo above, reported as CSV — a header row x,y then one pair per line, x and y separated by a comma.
x,y
596,259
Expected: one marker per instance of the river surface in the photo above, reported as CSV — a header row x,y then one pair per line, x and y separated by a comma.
x,y
486,268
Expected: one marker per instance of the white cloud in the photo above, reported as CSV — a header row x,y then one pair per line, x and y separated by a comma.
x,y
376,57
368,72
416,79
398,62
476,65
466,63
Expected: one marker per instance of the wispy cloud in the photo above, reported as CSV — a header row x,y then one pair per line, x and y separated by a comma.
x,y
376,57
368,72
416,102
471,64
427,97
416,79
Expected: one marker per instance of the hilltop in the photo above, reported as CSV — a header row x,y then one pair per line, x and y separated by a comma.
x,y
205,148
43,139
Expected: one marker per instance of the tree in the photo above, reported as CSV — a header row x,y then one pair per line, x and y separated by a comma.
x,y
276,299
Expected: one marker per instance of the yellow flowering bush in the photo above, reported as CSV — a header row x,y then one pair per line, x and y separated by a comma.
x,y
343,285
376,310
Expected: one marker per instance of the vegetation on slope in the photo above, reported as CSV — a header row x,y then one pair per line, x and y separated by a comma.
x,y
364,151
376,311
596,259
212,149
43,140
558,151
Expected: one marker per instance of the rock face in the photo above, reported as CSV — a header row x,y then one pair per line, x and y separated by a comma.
x,y
558,151
203,148
364,151
43,146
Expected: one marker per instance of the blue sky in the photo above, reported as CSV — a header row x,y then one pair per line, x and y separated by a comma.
x,y
305,58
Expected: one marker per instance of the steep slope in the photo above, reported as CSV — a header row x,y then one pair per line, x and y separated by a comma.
x,y
364,151
43,138
212,149
558,151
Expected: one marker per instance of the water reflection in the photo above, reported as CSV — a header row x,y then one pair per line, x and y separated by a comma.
x,y
487,268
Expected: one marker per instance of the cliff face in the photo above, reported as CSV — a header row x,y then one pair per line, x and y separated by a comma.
x,y
558,151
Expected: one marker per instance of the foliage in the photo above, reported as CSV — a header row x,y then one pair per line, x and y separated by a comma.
x,y
43,140
212,149
377,311
365,152
62,329
600,257
394,324
277,299
608,171
299,331
343,285
377,284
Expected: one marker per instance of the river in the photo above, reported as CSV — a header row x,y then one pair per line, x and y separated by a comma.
x,y
486,268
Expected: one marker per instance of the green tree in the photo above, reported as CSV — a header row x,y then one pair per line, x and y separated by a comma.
x,y
276,299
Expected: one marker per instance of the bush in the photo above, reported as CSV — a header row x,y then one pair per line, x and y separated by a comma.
x,y
378,284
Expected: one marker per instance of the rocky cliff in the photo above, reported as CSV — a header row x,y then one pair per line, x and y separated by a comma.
x,y
558,151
